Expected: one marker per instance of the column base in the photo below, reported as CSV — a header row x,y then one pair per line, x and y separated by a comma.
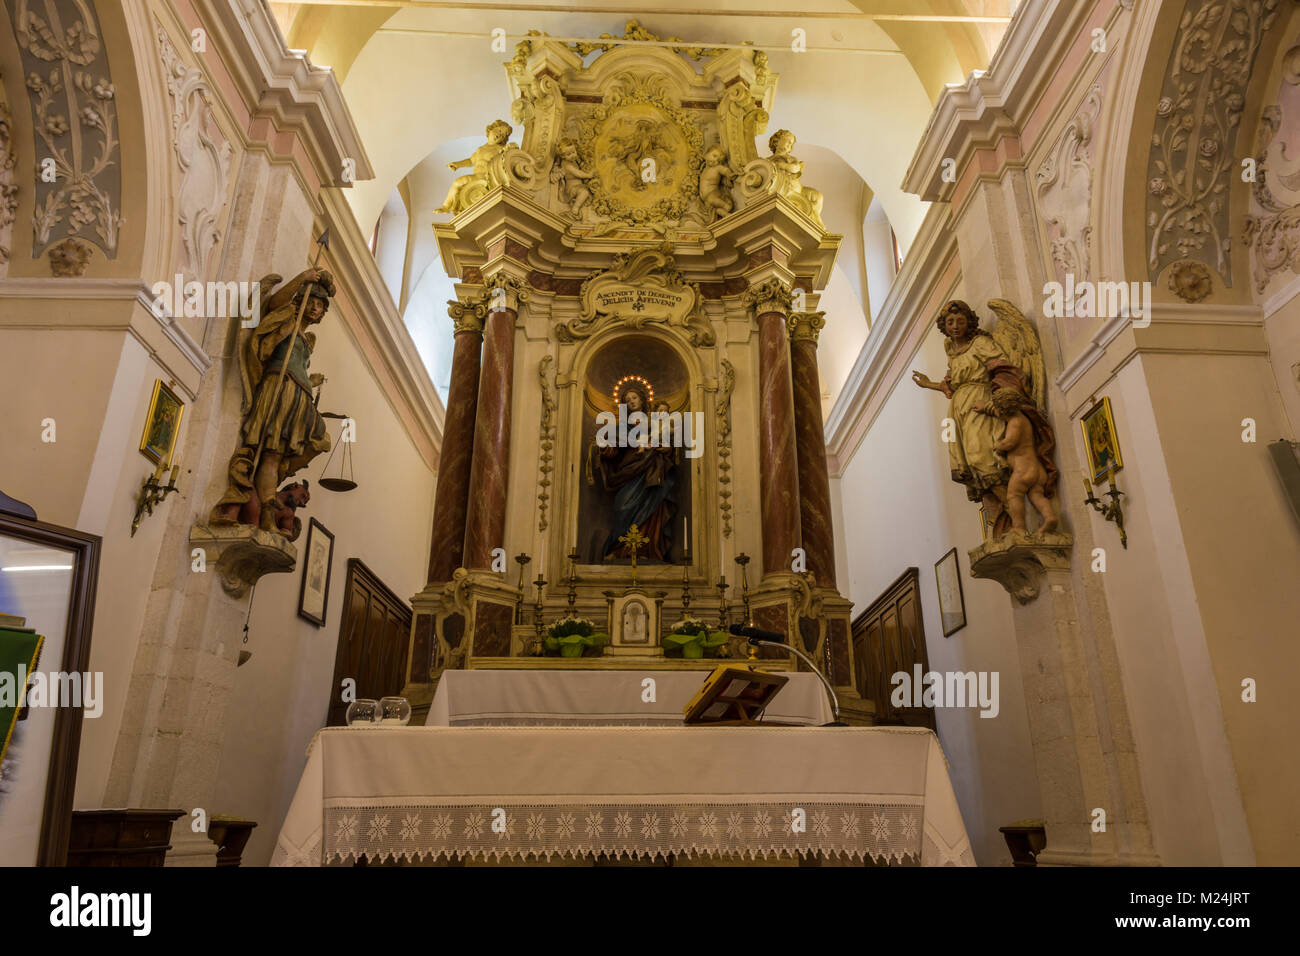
x,y
190,848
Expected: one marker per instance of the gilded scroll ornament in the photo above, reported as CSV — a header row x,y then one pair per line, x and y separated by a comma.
x,y
640,288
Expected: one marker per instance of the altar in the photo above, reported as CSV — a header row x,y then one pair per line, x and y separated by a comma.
x,y
539,793
503,698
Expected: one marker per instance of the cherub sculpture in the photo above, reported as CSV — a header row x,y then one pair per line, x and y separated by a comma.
x,y
459,196
780,143
1029,477
715,183
980,363
570,177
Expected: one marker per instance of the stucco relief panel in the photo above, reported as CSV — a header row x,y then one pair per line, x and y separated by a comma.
x,y
203,157
74,113
1063,190
1273,226
1194,135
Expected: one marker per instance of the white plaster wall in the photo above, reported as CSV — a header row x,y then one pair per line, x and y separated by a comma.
x,y
900,510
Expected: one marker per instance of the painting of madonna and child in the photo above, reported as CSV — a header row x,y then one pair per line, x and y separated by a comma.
x,y
640,443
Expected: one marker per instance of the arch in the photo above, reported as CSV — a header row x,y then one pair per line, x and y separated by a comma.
x,y
1165,52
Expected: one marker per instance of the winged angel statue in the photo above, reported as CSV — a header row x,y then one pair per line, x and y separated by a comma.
x,y
1001,444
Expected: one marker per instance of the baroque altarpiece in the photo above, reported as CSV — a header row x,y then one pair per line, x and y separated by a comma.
x,y
632,237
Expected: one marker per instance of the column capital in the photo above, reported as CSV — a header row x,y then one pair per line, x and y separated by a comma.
x,y
770,296
805,326
504,291
469,314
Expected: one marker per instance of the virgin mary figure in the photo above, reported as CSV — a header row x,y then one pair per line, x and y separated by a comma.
x,y
644,482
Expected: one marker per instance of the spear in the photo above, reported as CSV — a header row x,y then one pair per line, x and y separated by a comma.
x,y
322,244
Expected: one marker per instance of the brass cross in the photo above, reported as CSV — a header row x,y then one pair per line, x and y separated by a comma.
x,y
634,539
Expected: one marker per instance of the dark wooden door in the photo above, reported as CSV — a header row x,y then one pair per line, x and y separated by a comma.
x,y
373,639
889,637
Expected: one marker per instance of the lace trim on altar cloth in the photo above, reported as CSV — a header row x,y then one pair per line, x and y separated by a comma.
x,y
589,720
884,832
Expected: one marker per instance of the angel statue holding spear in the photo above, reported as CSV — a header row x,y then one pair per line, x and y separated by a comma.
x,y
282,429
980,364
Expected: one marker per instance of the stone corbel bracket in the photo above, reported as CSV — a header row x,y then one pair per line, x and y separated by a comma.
x,y
243,554
1018,560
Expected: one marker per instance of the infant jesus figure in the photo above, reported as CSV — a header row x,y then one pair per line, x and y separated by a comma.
x,y
1028,478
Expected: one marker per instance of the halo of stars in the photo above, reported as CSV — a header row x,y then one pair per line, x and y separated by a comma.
x,y
618,389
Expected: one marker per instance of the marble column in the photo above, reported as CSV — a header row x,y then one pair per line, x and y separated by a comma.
x,y
778,472
485,523
451,499
810,444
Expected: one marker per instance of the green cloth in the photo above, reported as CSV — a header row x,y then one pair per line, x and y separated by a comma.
x,y
19,648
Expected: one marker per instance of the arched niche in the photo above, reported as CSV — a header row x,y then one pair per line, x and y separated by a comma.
x,y
676,372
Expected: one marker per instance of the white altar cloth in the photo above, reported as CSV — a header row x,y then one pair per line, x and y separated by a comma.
x,y
537,792
501,698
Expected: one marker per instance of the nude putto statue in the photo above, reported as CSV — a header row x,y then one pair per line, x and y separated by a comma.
x,y
715,183
569,176
282,429
497,162
993,437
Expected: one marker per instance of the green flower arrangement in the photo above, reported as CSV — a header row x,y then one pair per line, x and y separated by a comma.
x,y
693,639
572,636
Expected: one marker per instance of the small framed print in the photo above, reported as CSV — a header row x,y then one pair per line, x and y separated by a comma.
x,y
952,603
162,424
1100,441
318,559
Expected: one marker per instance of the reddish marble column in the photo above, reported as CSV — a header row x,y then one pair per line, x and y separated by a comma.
x,y
451,498
810,444
778,473
486,522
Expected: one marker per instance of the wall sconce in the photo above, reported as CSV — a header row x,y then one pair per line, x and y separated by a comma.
x,y
153,492
522,560
1112,510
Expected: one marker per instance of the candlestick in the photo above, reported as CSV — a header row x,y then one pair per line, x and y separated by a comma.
x,y
1087,484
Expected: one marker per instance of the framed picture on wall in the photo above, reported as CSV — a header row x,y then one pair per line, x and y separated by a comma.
x,y
952,602
162,424
47,605
318,558
1100,441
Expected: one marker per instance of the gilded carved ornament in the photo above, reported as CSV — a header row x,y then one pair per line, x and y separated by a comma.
x,y
505,291
469,315
645,150
805,326
546,457
770,296
638,289
726,386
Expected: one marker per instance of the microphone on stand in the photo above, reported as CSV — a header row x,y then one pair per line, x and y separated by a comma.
x,y
759,637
